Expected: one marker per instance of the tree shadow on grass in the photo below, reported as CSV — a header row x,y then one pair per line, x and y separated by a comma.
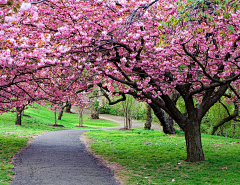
x,y
55,125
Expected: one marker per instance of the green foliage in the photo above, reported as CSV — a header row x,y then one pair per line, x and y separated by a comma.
x,y
151,157
181,105
96,105
107,109
213,116
14,137
138,110
217,112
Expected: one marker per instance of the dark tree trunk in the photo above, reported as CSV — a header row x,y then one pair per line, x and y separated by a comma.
x,y
148,123
55,117
193,142
68,108
19,116
94,112
60,114
166,122
94,116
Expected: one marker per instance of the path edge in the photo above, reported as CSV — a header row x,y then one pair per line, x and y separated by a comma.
x,y
115,167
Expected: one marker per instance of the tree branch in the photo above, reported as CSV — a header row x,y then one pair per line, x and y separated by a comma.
x,y
225,120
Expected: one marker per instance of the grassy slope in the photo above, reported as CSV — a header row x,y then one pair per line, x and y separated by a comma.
x,y
151,157
13,138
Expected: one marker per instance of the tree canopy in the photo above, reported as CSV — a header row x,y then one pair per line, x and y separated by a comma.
x,y
153,50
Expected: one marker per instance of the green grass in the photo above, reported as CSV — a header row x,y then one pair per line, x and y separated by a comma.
x,y
151,157
13,137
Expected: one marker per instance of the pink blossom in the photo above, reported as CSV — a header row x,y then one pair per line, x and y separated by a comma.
x,y
3,1
25,6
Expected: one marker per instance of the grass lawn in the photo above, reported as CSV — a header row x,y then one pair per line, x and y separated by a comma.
x,y
13,138
151,157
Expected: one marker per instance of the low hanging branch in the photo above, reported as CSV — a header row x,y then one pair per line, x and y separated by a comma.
x,y
227,119
103,90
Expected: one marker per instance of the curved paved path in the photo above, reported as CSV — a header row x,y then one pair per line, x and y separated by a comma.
x,y
59,158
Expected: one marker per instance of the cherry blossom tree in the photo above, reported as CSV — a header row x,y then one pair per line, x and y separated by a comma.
x,y
26,76
152,50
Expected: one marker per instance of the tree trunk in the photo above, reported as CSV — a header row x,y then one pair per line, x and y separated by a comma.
x,y
55,115
148,123
127,124
60,114
19,116
94,112
80,117
68,108
193,142
166,122
127,120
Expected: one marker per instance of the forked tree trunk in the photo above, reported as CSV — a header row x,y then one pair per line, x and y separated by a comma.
x,y
148,123
19,116
127,120
193,142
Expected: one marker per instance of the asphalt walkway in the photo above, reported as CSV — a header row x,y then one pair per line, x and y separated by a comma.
x,y
61,158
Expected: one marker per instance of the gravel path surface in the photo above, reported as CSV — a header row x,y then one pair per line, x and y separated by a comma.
x,y
59,158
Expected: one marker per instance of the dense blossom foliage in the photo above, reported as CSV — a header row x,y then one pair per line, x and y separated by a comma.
x,y
153,50
29,71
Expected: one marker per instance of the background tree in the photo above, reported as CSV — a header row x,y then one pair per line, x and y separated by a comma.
x,y
127,107
148,122
19,111
94,105
80,117
68,107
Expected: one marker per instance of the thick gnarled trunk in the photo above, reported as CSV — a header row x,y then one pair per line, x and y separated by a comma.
x,y
166,122
193,142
